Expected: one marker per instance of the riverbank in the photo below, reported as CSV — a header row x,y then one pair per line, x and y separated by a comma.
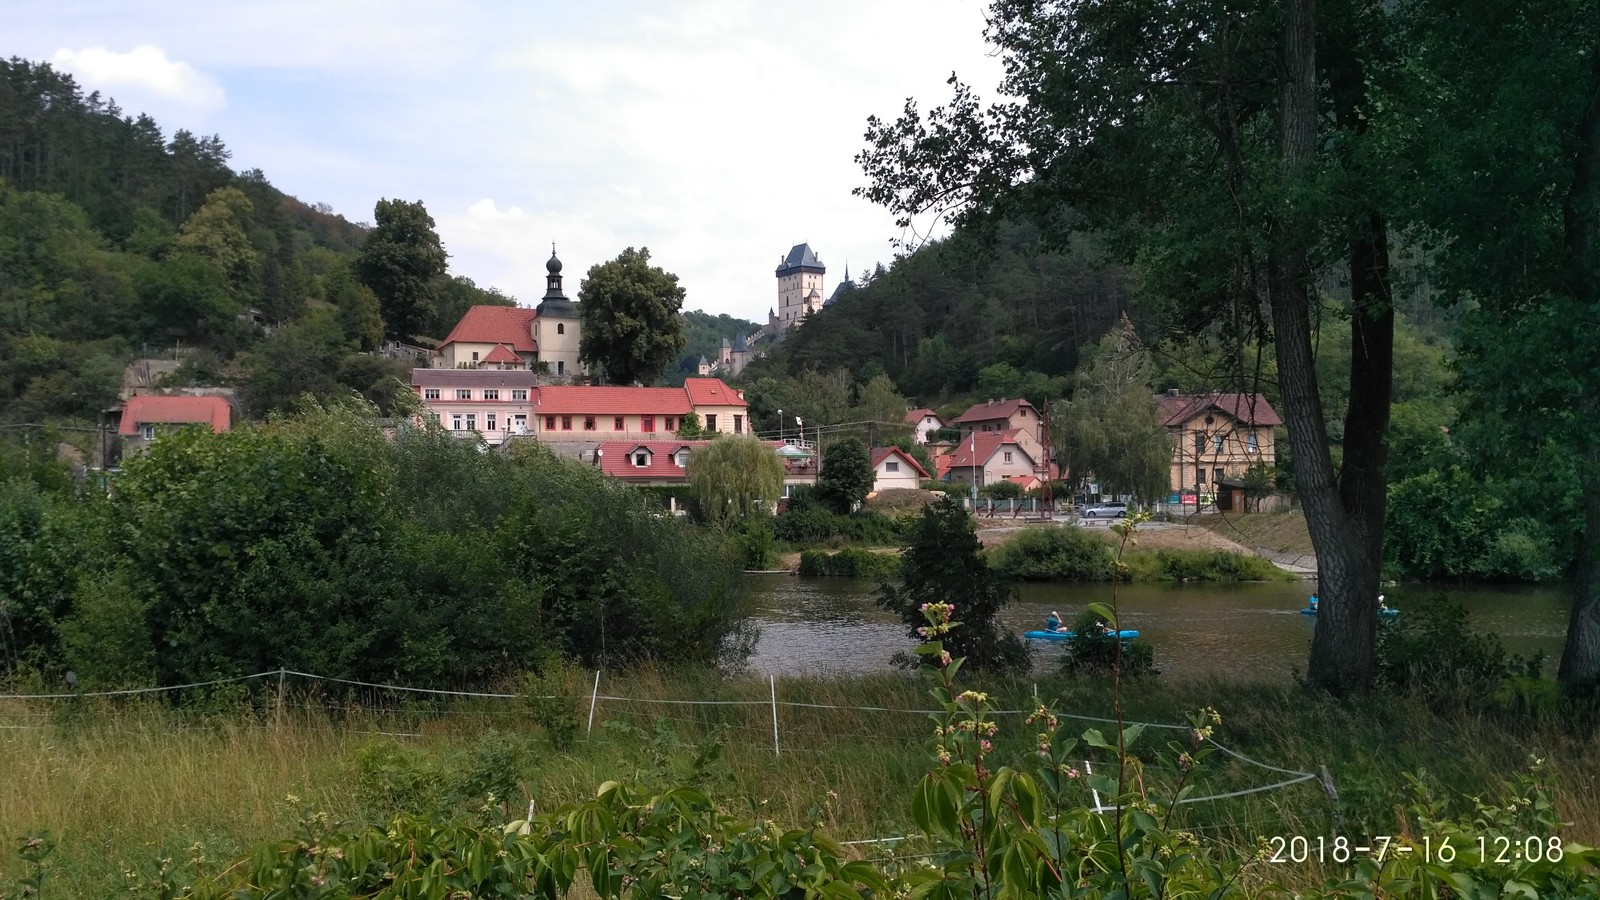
x,y
122,786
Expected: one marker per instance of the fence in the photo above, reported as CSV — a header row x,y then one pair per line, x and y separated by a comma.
x,y
794,726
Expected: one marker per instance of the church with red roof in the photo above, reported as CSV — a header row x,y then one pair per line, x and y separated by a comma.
x,y
503,338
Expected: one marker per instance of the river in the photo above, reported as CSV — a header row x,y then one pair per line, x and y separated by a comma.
x,y
1246,632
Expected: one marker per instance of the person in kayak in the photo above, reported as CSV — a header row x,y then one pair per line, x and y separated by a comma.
x,y
1053,622
1312,603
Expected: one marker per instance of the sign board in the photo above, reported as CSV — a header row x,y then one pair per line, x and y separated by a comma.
x,y
1190,500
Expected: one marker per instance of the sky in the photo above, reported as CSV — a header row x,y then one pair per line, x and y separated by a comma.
x,y
717,133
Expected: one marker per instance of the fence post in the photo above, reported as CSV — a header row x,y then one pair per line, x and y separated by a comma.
x,y
1087,771
1333,799
594,696
773,681
280,692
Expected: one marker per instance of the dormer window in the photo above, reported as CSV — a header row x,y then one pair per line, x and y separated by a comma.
x,y
682,458
641,459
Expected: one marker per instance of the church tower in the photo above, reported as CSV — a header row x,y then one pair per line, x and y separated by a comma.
x,y
799,285
556,327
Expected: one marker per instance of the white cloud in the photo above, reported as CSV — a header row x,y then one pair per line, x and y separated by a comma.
x,y
146,70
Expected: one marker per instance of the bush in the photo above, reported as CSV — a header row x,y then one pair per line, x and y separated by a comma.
x,y
1201,565
848,563
1054,553
754,543
1431,653
1090,652
810,524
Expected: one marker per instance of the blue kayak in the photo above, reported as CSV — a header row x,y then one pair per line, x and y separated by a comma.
x,y
1308,611
1068,635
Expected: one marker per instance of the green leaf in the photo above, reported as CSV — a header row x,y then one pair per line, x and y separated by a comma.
x,y
1104,612
1094,738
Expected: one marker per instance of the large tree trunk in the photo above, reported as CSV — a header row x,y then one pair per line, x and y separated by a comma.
x,y
1580,658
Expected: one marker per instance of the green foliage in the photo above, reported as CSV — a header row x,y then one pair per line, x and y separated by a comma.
x,y
106,639
703,334
218,232
808,523
733,478
846,476
1054,553
755,543
942,562
1446,524
632,330
1431,652
399,262
1001,490
1201,565
689,426
1093,651
850,562
1112,428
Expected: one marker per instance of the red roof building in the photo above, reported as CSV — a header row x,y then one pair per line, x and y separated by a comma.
x,y
153,410
1216,436
991,456
502,332
1000,415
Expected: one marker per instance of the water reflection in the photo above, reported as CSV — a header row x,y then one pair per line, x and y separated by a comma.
x,y
1246,632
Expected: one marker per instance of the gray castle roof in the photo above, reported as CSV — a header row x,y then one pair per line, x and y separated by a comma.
x,y
740,344
801,257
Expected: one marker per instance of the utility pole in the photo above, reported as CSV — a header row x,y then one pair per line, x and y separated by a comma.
x,y
1046,492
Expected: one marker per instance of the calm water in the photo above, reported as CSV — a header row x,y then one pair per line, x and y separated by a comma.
x,y
1249,632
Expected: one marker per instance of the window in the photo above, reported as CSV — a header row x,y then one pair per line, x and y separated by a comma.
x,y
455,422
1008,456
566,423
891,467
1250,444
488,421
738,424
149,432
561,367
1218,440
1199,476
1216,474
472,421
491,394
617,424
1199,442
463,393
549,423
561,328
683,458
647,423
711,422
667,424
641,459
519,394
588,423
474,356
430,393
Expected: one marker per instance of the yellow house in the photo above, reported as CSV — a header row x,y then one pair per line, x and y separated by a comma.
x,y
1217,436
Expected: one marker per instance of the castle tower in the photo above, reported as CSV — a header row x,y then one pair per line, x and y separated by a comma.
x,y
556,327
799,285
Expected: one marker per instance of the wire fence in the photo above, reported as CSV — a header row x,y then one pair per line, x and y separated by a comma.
x,y
790,726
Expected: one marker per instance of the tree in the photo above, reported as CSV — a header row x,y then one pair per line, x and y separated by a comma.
x,y
632,329
359,314
1112,428
1504,115
399,262
689,427
846,477
219,231
882,407
732,478
942,562
1192,133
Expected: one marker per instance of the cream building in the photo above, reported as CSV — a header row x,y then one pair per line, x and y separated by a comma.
x,y
514,337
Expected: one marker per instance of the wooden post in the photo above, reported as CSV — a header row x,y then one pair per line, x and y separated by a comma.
x,y
1333,799
773,681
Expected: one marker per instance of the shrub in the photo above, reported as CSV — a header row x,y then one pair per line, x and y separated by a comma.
x,y
811,524
1091,652
1202,565
1054,553
850,562
754,543
1431,653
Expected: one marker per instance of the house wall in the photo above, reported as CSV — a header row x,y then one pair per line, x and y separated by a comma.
x,y
572,426
558,347
1232,459
1024,419
458,355
997,467
927,426
906,477
725,421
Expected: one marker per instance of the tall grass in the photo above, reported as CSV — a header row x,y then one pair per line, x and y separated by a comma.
x,y
122,785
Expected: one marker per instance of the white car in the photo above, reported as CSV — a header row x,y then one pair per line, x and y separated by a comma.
x,y
1106,511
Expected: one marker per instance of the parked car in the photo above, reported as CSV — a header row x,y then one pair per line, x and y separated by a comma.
x,y
1106,511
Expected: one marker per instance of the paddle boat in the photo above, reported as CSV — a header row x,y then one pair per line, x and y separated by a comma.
x,y
1069,635
1386,612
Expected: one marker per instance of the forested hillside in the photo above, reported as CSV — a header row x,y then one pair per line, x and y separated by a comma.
x,y
118,242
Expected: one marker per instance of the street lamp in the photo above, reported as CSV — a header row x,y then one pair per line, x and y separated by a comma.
x,y
780,426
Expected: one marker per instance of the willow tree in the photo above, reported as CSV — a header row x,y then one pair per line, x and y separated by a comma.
x,y
1112,429
1195,133
734,477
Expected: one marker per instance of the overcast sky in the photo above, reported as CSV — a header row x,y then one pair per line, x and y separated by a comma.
x,y
717,133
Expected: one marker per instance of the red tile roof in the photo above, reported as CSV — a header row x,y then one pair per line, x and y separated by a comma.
x,y
879,454
988,444
1250,409
994,409
942,464
712,392
917,415
163,410
613,401
1027,482
502,354
512,325
616,459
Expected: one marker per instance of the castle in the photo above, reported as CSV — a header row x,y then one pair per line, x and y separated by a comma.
x,y
800,293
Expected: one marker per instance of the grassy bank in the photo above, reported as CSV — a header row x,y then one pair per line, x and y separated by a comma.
x,y
120,786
